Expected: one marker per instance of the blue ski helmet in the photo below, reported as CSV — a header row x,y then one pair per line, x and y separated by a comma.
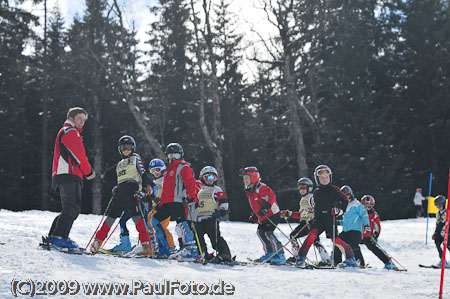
x,y
157,163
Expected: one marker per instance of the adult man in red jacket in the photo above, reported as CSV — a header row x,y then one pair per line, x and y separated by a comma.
x,y
179,189
70,167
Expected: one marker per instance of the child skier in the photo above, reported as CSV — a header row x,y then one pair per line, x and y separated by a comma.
x,y
439,232
263,202
179,188
354,219
370,236
125,245
212,204
329,203
306,216
157,169
130,173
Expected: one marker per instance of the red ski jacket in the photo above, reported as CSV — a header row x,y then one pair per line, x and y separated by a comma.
x,y
259,196
375,225
179,183
69,156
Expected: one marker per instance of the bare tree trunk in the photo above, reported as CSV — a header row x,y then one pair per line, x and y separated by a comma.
x,y
98,158
295,118
215,144
315,105
131,96
44,161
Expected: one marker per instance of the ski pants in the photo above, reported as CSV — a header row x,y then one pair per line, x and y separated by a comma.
x,y
315,232
176,211
352,238
70,191
372,246
267,237
109,221
210,227
438,241
302,230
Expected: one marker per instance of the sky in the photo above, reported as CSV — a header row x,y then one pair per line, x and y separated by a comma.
x,y
249,14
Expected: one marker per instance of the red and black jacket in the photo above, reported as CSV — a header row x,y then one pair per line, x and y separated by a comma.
x,y
69,158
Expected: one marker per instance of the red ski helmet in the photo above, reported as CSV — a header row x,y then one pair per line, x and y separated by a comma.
x,y
253,172
368,200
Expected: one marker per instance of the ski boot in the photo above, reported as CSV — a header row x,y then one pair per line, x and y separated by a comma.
x,y
301,261
291,260
390,266
124,246
188,253
264,257
61,243
350,262
95,245
440,264
324,263
278,259
145,249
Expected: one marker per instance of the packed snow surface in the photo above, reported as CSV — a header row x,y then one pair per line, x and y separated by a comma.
x,y
21,260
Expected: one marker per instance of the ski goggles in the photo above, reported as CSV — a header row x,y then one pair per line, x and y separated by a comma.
x,y
175,156
155,170
126,147
209,177
302,187
324,171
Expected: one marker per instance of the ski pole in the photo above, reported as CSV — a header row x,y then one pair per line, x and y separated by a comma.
x,y
101,221
334,239
388,256
286,219
115,227
276,226
195,231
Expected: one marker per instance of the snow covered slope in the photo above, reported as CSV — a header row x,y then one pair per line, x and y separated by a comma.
x,y
21,259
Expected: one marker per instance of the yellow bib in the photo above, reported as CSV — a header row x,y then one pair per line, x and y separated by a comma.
x,y
441,216
159,183
207,205
306,211
127,171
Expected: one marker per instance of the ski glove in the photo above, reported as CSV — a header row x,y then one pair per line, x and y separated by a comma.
x,y
286,213
375,235
253,218
367,229
190,200
434,236
139,195
337,212
219,213
114,190
264,209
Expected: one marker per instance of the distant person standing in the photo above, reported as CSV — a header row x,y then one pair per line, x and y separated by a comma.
x,y
418,198
70,167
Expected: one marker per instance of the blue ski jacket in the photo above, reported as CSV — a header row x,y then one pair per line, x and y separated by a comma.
x,y
355,217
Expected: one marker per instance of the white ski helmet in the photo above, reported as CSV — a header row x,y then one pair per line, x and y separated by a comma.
x,y
208,169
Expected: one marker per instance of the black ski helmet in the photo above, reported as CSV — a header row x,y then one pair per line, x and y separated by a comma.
x,y
348,191
173,149
440,200
126,139
307,182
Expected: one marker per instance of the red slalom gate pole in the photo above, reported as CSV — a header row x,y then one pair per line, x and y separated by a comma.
x,y
445,242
